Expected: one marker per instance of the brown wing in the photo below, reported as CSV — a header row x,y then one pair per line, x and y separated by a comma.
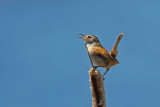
x,y
114,51
103,53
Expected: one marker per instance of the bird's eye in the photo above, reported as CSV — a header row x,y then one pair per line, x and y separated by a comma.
x,y
89,37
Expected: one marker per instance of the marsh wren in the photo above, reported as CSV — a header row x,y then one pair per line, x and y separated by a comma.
x,y
98,54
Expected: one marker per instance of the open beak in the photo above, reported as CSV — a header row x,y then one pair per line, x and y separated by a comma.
x,y
82,37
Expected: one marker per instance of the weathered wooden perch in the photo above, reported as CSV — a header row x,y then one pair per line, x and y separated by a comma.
x,y
97,88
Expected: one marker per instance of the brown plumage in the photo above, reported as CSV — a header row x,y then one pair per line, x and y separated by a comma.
x,y
99,55
104,54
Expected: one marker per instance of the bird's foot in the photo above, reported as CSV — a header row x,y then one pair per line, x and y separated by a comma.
x,y
95,67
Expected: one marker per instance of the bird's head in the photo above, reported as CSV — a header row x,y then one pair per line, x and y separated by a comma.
x,y
89,38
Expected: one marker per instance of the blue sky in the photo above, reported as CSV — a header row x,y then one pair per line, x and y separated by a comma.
x,y
44,64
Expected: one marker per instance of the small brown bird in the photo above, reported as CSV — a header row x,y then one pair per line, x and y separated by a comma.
x,y
99,55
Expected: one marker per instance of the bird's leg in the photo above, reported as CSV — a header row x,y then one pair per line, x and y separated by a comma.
x,y
95,67
105,73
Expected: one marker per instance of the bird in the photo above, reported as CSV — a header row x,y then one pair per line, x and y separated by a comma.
x,y
99,55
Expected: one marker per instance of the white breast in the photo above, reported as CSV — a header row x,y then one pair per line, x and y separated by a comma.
x,y
95,59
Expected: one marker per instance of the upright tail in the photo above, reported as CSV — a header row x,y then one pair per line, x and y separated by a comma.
x,y
114,51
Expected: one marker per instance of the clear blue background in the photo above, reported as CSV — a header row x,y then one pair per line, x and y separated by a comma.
x,y
44,64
